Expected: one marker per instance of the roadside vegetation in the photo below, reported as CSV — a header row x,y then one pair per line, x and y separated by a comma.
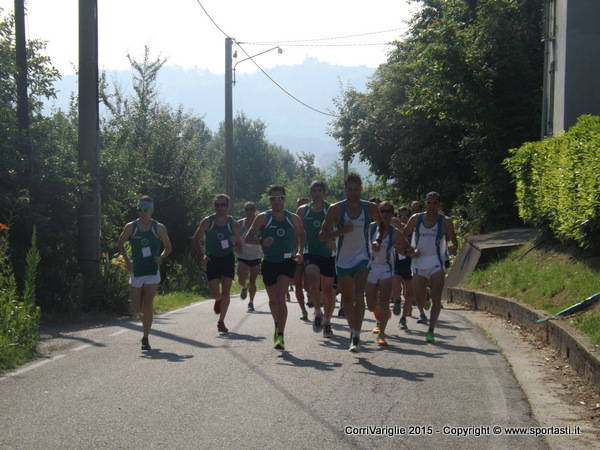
x,y
551,278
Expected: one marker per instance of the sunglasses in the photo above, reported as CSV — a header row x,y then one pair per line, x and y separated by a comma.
x,y
220,205
386,211
277,197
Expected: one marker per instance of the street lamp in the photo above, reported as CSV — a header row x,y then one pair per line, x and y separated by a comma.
x,y
279,50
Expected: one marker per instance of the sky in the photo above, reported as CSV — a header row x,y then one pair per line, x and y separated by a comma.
x,y
179,30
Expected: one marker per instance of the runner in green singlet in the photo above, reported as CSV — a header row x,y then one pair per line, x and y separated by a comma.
x,y
319,262
222,236
145,236
282,240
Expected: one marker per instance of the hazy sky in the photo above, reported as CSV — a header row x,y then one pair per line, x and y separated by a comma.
x,y
179,30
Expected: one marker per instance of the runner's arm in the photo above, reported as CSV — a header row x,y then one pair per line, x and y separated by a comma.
x,y
237,241
198,237
166,242
329,230
300,234
125,235
252,236
449,230
408,230
400,243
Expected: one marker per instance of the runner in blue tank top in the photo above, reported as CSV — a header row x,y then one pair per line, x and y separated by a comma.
x,y
282,240
146,236
349,220
319,262
222,237
429,231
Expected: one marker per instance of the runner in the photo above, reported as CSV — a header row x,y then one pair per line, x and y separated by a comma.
x,y
221,234
145,236
248,266
379,281
399,221
350,220
299,277
429,241
282,240
319,263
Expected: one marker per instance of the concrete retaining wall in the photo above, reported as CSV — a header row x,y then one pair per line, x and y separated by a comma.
x,y
572,344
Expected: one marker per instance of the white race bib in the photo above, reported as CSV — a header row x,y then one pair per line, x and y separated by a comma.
x,y
146,252
225,243
287,255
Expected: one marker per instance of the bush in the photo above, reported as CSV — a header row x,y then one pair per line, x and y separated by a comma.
x,y
557,184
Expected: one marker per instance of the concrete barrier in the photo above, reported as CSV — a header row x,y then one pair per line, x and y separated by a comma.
x,y
572,344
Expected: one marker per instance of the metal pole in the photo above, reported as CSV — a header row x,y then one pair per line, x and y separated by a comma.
x,y
22,100
229,150
89,208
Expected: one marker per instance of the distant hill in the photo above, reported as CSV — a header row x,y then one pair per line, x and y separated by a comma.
x,y
289,124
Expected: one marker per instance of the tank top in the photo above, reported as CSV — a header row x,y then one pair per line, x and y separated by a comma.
x,y
218,238
353,247
385,255
312,226
284,238
145,245
431,243
249,251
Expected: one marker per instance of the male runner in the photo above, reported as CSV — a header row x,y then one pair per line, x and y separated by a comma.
x,y
429,231
145,236
299,276
248,266
282,240
221,234
319,262
350,220
379,280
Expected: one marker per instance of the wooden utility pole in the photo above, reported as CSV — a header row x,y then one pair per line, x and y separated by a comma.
x,y
229,150
89,208
22,99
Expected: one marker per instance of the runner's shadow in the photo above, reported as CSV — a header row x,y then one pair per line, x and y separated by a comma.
x,y
408,351
155,353
373,369
443,324
171,336
336,341
241,337
319,365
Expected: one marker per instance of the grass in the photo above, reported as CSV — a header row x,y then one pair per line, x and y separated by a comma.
x,y
175,300
12,356
548,278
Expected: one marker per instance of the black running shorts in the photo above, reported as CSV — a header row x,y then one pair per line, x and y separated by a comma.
x,y
402,268
220,266
326,264
249,262
271,271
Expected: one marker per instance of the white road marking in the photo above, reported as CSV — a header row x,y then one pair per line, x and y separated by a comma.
x,y
117,333
31,367
81,347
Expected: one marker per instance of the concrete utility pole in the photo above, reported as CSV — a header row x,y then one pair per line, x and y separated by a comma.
x,y
229,150
89,208
22,99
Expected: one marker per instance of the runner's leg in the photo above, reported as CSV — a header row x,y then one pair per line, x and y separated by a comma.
x,y
148,293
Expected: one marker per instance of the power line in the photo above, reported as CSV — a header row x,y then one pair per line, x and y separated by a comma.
x,y
211,19
320,45
323,39
282,88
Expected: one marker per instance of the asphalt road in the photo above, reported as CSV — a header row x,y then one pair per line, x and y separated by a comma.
x,y
198,389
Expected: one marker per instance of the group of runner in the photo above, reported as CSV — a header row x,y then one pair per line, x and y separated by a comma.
x,y
361,246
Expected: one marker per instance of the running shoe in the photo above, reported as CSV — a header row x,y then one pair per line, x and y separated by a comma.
x,y
377,328
250,307
341,313
146,344
403,323
221,327
279,344
397,307
423,319
244,293
429,337
217,307
354,344
327,331
381,339
318,324
304,316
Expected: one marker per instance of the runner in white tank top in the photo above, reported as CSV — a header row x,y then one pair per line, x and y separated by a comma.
x,y
248,266
349,220
429,240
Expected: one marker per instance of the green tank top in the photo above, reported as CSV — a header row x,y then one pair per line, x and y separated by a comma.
x,y
145,245
284,238
218,239
312,226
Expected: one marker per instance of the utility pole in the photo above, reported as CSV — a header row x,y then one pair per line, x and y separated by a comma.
x,y
22,99
89,208
229,150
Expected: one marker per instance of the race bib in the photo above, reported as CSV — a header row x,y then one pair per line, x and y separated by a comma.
x,y
225,243
287,255
146,252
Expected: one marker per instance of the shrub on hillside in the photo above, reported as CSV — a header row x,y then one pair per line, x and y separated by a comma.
x,y
557,183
